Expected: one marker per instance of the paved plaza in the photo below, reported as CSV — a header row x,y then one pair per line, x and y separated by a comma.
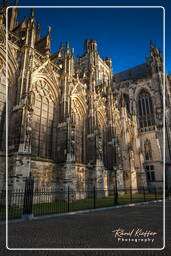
x,y
91,230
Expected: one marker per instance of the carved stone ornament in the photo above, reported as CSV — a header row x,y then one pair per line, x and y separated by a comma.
x,y
99,147
41,87
1,64
28,130
2,40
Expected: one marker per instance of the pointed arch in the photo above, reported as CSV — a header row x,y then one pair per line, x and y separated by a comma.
x,y
44,102
78,116
145,109
10,62
101,113
48,85
6,79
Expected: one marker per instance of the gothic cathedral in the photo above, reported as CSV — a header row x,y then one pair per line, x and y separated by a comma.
x,y
72,122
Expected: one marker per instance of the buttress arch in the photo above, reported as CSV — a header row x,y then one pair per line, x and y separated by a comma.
x,y
44,101
78,117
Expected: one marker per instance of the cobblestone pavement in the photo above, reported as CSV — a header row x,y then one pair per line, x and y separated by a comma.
x,y
90,230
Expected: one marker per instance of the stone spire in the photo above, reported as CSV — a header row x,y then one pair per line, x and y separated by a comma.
x,y
5,4
108,62
30,38
48,42
2,11
32,13
13,14
68,60
43,45
90,45
156,58
67,48
61,47
16,2
38,32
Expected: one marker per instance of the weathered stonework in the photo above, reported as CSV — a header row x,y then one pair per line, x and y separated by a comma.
x,y
76,124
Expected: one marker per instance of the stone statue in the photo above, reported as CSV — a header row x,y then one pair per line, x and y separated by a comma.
x,y
99,147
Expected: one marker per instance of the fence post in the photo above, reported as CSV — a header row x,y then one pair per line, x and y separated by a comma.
x,y
144,194
166,192
68,199
130,190
116,195
3,197
28,198
155,191
94,197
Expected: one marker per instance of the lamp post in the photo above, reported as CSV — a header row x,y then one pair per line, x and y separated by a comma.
x,y
116,185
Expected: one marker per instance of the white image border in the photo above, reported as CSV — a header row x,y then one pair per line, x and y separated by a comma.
x,y
79,249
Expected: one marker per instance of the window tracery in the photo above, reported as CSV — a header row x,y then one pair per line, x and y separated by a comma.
x,y
43,119
78,114
145,110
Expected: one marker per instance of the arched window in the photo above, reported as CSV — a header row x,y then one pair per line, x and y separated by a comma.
x,y
147,150
145,110
42,122
150,173
77,130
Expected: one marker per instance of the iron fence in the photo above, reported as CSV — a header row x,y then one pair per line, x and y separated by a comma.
x,y
51,201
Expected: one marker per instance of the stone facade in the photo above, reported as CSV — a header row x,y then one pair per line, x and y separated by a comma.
x,y
72,121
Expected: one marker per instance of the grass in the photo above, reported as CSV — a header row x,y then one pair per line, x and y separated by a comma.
x,y
88,203
13,213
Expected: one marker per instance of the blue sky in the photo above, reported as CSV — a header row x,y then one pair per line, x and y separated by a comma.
x,y
122,34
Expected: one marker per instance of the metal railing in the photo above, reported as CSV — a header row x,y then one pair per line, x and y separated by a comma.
x,y
51,201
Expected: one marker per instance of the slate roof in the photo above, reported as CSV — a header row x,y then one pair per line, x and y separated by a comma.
x,y
137,72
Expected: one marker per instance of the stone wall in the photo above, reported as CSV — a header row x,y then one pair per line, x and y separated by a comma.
x,y
2,105
44,174
2,171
